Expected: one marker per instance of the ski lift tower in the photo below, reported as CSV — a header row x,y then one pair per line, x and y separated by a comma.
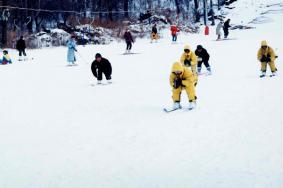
x,y
206,30
205,12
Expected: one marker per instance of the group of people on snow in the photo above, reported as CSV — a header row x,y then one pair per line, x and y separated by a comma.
x,y
21,47
184,73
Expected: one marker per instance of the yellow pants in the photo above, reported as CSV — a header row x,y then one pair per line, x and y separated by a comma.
x,y
196,79
190,92
154,36
271,65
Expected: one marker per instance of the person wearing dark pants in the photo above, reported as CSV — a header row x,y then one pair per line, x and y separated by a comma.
x,y
129,40
203,58
226,27
21,47
101,66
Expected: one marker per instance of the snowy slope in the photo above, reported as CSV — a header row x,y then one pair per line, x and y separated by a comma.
x,y
58,131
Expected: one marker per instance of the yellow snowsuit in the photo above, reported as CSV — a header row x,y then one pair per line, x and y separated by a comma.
x,y
192,58
267,52
187,82
154,36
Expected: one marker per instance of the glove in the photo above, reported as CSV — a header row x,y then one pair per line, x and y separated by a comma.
x,y
199,59
177,83
187,63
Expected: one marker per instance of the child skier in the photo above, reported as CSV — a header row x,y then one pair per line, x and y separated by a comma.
x,y
154,35
174,30
203,57
71,44
182,78
189,60
101,65
266,55
6,58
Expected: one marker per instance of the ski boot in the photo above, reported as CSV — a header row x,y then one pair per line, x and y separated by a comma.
x,y
263,74
176,105
192,105
273,74
209,71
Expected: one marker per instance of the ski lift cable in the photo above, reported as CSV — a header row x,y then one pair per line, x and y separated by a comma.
x,y
70,11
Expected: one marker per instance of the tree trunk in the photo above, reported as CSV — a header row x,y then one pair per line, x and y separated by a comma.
x,y
197,15
177,6
126,8
4,27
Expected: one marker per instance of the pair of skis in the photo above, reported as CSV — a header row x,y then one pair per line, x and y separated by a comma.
x,y
264,76
102,84
169,110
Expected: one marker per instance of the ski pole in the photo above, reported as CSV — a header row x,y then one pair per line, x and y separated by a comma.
x,y
82,57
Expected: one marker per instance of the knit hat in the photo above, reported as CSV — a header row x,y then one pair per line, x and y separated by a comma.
x,y
98,55
263,43
199,47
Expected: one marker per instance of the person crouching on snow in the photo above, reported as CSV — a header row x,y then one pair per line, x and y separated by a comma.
x,y
71,44
266,55
182,78
203,58
6,58
101,65
189,60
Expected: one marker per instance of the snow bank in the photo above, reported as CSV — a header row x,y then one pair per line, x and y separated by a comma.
x,y
56,37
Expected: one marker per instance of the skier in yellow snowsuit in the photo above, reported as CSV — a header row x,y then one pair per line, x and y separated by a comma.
x,y
154,35
266,55
182,78
189,59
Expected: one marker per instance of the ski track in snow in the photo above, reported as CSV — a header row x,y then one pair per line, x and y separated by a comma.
x,y
57,131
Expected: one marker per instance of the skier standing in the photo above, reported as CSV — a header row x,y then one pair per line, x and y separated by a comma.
x,y
129,40
71,44
266,55
101,66
182,78
189,60
226,27
203,58
174,30
154,35
219,27
21,47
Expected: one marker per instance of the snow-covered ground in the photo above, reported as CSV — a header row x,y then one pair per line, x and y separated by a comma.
x,y
58,131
